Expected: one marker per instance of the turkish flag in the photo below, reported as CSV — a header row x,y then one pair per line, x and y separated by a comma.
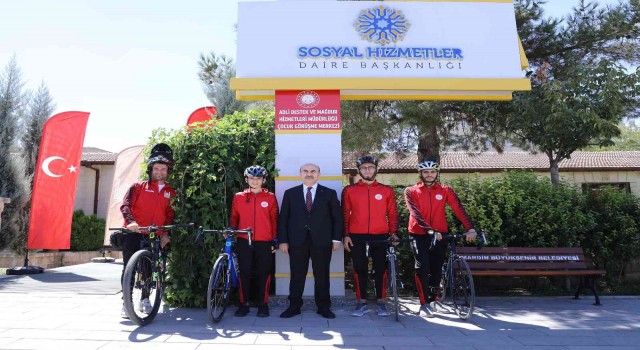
x,y
201,115
54,185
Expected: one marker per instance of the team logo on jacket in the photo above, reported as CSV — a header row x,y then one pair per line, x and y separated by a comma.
x,y
439,197
264,204
167,195
378,196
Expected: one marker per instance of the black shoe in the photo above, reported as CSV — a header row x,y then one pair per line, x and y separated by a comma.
x,y
326,313
263,310
290,312
243,310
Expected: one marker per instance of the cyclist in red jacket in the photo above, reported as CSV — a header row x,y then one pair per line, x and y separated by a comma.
x,y
426,202
370,213
148,203
256,208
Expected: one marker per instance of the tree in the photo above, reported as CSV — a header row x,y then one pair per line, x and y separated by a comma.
x,y
215,74
12,182
577,67
39,109
584,108
628,140
367,125
580,89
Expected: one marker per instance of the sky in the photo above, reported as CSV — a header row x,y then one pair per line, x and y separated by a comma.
x,y
131,64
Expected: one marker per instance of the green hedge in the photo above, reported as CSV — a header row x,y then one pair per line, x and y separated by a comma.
x,y
210,163
87,232
520,209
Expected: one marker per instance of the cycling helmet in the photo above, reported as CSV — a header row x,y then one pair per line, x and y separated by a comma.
x,y
256,171
366,159
162,149
160,153
428,164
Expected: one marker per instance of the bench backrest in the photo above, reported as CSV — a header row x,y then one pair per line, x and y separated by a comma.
x,y
517,258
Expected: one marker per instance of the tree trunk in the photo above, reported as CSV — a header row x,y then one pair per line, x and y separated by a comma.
x,y
428,143
555,171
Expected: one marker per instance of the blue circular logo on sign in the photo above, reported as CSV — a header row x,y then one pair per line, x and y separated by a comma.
x,y
382,25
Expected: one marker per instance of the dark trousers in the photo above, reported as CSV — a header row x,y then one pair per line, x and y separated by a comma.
x,y
428,264
378,254
299,265
131,243
258,256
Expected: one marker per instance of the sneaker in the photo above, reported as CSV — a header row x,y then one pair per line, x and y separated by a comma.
x,y
433,307
123,313
360,310
145,306
263,310
382,310
426,309
243,310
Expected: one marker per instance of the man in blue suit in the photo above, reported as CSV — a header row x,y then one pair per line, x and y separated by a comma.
x,y
309,226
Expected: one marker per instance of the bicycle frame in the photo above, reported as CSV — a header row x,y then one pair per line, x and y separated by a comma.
x,y
392,259
159,257
448,279
234,269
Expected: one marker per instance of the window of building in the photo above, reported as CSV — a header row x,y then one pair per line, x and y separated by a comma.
x,y
598,186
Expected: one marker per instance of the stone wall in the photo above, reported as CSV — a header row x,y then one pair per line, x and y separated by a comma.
x,y
49,260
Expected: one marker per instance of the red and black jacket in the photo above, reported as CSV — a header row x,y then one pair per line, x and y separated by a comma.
x,y
147,205
427,204
258,211
369,209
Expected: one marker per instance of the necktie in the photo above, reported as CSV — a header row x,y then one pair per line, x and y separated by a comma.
x,y
308,200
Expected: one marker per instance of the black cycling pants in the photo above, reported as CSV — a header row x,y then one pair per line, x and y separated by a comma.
x,y
378,254
428,265
256,257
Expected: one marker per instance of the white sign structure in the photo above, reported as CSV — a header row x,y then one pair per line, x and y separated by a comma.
x,y
370,48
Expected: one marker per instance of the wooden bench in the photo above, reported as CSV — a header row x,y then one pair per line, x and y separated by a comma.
x,y
516,261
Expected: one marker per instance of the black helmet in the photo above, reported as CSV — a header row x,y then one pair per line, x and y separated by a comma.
x,y
162,149
428,164
366,159
256,171
160,153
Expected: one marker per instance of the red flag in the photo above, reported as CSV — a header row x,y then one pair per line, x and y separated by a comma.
x,y
201,115
54,186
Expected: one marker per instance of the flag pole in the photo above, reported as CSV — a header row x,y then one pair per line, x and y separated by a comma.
x,y
26,269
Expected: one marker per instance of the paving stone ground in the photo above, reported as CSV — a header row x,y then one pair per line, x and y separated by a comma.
x,y
78,307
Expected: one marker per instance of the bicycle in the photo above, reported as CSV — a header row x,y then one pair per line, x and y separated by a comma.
x,y
145,272
224,275
457,280
393,278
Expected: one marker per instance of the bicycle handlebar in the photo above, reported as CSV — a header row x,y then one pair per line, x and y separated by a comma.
x,y
390,240
481,238
152,228
226,232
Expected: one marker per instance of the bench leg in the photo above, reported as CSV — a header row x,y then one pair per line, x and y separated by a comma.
x,y
589,283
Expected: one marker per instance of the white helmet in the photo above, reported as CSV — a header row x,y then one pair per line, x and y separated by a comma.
x,y
428,164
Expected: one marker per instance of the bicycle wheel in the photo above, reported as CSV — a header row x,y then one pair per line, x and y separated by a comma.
x,y
218,291
441,293
463,292
143,295
394,287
